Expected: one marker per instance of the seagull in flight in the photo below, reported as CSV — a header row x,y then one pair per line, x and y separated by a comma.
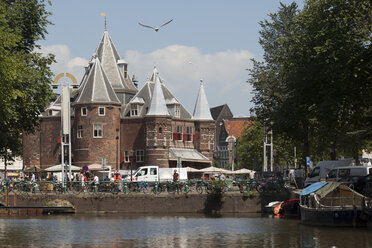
x,y
156,29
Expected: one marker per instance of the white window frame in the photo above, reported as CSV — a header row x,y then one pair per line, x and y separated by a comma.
x,y
84,109
126,156
177,110
99,111
140,155
179,129
134,109
99,128
79,133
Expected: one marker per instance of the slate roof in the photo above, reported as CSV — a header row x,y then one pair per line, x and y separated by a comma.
x,y
236,127
97,88
145,94
157,105
109,57
201,110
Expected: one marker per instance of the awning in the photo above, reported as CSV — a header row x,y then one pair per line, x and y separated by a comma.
x,y
190,155
58,168
313,187
98,167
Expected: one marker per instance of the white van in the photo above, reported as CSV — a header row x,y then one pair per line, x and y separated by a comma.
x,y
153,173
349,171
321,170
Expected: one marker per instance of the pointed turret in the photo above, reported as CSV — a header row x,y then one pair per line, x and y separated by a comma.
x,y
115,68
157,105
97,88
201,110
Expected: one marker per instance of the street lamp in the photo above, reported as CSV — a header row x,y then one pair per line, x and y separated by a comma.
x,y
231,140
117,148
65,118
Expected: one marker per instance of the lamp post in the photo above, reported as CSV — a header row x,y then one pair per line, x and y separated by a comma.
x,y
231,140
131,160
65,118
117,148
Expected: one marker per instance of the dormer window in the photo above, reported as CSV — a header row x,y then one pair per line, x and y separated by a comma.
x,y
125,70
101,111
177,110
83,111
134,109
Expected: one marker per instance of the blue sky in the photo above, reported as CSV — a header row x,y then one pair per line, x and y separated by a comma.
x,y
212,40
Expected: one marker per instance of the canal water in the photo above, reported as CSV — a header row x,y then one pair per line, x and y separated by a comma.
x,y
173,231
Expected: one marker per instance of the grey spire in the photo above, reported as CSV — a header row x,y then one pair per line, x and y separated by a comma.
x,y
201,110
157,104
97,88
109,57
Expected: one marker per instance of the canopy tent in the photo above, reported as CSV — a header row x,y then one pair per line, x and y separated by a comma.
x,y
58,168
243,171
213,169
190,169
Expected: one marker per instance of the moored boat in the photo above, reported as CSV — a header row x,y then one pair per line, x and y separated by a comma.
x,y
334,204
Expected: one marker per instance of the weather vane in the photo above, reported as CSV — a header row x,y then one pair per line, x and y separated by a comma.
x,y
104,14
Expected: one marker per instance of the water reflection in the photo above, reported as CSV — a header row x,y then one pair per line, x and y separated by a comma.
x,y
173,231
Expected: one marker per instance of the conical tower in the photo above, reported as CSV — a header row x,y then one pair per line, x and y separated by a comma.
x,y
97,120
204,124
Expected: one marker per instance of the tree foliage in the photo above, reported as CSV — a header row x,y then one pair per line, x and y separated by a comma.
x,y
314,85
25,75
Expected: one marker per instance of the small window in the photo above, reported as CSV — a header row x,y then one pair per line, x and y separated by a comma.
x,y
177,111
140,155
80,132
315,172
97,131
153,171
160,130
143,172
101,111
50,112
344,173
83,111
134,110
332,174
126,156
189,130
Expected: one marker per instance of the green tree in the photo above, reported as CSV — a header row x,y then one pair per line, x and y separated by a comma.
x,y
315,81
25,75
250,148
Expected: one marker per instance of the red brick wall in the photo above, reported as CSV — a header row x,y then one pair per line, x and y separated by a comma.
x,y
205,131
132,138
89,150
41,149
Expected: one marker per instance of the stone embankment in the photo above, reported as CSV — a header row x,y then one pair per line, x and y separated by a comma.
x,y
231,202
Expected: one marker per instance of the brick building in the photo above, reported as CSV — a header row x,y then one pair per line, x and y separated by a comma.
x,y
111,118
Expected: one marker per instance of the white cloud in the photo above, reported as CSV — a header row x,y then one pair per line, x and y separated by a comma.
x,y
65,63
181,67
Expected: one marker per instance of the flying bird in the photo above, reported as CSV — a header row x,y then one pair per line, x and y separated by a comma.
x,y
156,29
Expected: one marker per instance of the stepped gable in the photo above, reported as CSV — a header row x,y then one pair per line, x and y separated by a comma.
x,y
97,88
201,110
109,57
143,98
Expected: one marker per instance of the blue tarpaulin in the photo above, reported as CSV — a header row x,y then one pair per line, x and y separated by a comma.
x,y
313,187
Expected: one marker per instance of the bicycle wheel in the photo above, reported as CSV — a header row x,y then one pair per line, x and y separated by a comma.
x,y
199,188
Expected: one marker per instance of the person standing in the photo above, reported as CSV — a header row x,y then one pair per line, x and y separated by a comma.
x,y
176,176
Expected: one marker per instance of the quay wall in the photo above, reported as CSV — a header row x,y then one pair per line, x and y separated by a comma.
x,y
153,204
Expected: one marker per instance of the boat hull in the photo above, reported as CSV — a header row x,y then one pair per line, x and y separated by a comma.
x,y
335,216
